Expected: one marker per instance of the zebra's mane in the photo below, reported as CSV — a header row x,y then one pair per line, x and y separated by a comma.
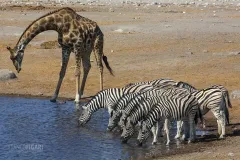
x,y
185,85
52,12
99,94
95,96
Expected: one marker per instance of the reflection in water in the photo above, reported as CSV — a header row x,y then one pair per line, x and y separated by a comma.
x,y
54,128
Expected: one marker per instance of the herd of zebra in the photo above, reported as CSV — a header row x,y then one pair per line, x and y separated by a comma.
x,y
153,104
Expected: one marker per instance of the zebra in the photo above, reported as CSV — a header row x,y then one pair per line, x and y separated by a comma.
x,y
225,93
116,110
136,110
106,99
161,81
183,108
209,99
227,100
131,100
142,109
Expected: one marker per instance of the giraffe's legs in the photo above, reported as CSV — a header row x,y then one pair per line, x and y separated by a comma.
x,y
65,57
98,52
86,67
77,75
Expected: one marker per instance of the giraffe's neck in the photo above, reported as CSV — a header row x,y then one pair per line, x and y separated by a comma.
x,y
41,25
58,20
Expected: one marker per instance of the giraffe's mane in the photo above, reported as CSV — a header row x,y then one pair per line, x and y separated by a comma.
x,y
49,13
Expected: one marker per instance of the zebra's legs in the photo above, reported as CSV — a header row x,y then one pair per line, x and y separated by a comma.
x,y
192,130
160,126
219,127
179,129
204,123
166,128
221,123
185,124
154,130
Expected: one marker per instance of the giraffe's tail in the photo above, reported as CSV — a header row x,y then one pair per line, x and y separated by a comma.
x,y
107,64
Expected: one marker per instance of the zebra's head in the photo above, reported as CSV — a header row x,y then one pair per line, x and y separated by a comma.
x,y
128,130
114,119
144,133
85,116
123,119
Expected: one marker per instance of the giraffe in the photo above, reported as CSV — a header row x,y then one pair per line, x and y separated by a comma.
x,y
76,34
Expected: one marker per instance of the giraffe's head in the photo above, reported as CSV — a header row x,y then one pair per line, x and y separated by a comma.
x,y
16,56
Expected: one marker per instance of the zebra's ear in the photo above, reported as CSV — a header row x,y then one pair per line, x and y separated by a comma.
x,y
177,84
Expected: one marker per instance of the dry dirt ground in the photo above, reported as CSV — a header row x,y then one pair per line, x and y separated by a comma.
x,y
195,44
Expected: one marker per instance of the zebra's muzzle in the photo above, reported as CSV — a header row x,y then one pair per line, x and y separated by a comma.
x,y
139,143
110,128
81,123
124,140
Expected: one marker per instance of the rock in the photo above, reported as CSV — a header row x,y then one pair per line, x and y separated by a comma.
x,y
110,10
40,94
6,74
136,18
227,53
50,45
118,30
234,53
154,3
230,154
189,53
205,51
235,94
112,51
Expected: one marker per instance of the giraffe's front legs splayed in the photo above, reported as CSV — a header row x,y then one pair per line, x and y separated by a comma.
x,y
65,57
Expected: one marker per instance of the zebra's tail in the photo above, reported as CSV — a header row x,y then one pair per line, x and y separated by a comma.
x,y
227,99
226,112
224,108
107,64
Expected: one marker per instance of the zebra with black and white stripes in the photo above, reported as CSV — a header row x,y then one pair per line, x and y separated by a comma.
x,y
181,108
106,99
227,100
135,112
225,94
116,110
129,102
210,99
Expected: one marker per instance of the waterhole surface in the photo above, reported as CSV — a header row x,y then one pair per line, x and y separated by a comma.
x,y
38,129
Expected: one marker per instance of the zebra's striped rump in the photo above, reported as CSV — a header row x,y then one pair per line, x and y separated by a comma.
x,y
210,99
